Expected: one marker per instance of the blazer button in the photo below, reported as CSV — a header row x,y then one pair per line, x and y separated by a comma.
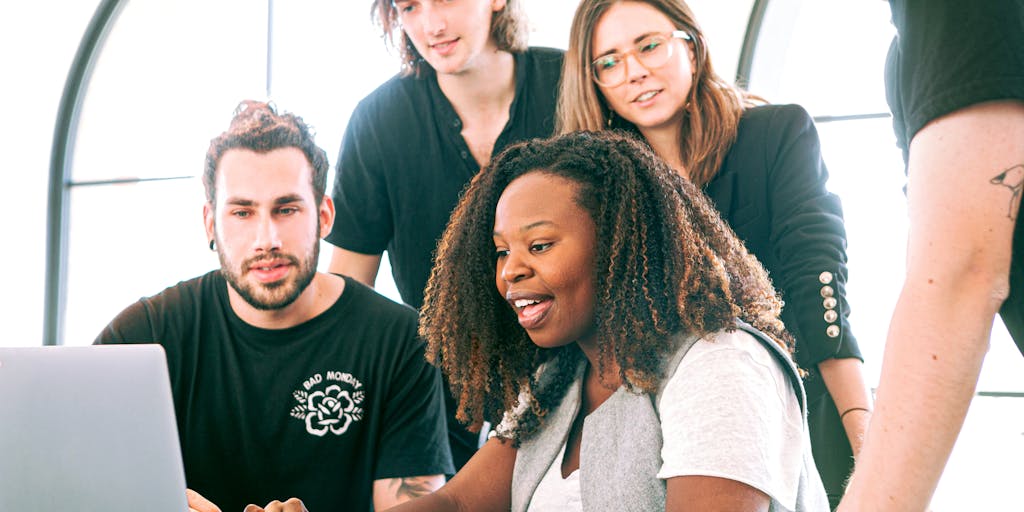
x,y
827,291
825,277
831,315
832,331
829,302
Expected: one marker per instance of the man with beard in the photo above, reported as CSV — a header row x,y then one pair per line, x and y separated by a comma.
x,y
288,381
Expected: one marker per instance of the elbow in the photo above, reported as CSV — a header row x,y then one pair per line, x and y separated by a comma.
x,y
979,281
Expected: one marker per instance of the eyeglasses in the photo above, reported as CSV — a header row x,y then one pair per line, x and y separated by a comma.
x,y
651,52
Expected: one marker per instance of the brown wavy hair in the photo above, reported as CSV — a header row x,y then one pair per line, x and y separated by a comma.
x,y
713,107
508,28
665,265
257,126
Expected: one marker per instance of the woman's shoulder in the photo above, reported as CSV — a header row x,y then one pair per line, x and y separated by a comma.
x,y
773,115
738,342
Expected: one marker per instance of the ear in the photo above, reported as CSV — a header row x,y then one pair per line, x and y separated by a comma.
x,y
326,216
208,220
693,56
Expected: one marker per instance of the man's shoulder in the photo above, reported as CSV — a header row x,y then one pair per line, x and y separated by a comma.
x,y
545,54
545,63
394,94
190,292
371,305
148,318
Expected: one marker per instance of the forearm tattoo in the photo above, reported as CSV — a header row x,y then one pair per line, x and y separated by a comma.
x,y
1013,179
414,486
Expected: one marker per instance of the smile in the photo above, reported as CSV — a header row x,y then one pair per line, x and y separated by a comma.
x,y
531,312
444,47
646,96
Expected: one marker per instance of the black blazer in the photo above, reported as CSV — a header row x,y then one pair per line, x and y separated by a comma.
x,y
771,191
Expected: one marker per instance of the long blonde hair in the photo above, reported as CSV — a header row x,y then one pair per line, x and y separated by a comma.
x,y
713,107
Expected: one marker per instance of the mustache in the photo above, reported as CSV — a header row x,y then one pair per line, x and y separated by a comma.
x,y
256,260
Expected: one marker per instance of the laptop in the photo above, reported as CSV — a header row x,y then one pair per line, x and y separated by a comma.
x,y
88,428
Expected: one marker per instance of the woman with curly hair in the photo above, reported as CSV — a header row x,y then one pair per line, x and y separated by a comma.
x,y
593,299
644,66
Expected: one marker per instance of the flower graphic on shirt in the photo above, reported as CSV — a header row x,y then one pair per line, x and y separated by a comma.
x,y
332,409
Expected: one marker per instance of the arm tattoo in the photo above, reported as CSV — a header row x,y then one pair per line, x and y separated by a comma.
x,y
1013,179
413,486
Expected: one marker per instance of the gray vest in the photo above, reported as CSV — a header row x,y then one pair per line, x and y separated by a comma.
x,y
620,453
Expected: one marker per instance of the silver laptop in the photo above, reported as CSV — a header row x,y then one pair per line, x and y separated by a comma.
x,y
88,428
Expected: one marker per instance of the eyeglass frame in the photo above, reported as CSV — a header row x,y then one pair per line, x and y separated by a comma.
x,y
675,34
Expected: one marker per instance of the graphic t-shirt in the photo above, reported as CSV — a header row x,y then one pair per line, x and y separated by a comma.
x,y
317,411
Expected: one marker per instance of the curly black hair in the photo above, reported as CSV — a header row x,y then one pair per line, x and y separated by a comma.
x,y
665,265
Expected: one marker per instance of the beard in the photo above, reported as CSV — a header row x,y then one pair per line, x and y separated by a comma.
x,y
275,295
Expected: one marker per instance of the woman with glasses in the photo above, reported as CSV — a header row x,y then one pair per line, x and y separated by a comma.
x,y
644,67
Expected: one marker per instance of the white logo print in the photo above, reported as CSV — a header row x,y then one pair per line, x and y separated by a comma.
x,y
332,409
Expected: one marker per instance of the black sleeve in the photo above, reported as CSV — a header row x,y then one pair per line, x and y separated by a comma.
x,y
808,239
362,221
950,54
132,325
414,438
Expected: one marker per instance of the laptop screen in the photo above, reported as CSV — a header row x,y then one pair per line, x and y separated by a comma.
x,y
88,428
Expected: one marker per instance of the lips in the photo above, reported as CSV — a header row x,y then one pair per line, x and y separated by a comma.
x,y
646,96
269,271
531,308
445,47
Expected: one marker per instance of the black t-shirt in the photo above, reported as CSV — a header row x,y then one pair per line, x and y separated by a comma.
x,y
317,411
950,54
404,162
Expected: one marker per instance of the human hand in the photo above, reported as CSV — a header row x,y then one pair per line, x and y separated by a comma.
x,y
197,503
291,505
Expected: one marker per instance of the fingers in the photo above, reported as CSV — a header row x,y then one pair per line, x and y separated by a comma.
x,y
291,505
197,503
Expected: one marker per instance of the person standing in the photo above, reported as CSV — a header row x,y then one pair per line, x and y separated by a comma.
x,y
644,67
469,86
955,85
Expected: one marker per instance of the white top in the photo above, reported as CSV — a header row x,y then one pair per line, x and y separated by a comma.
x,y
555,493
730,411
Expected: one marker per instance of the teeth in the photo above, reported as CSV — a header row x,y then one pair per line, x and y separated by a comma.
x,y
646,96
522,303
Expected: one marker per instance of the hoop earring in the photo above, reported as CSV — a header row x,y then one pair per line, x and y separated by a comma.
x,y
213,245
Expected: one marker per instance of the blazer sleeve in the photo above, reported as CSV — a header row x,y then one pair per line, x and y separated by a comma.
x,y
807,239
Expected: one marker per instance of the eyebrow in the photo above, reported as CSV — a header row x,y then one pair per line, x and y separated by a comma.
x,y
528,226
636,40
286,199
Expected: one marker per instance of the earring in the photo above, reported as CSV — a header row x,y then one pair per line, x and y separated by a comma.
x,y
213,245
611,116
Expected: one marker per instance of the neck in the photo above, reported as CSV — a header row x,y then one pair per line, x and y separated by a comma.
x,y
666,141
323,291
609,377
488,86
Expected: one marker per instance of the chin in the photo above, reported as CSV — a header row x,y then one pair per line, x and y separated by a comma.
x,y
548,342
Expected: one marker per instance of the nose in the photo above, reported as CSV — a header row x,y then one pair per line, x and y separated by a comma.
x,y
267,235
635,70
434,18
514,269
